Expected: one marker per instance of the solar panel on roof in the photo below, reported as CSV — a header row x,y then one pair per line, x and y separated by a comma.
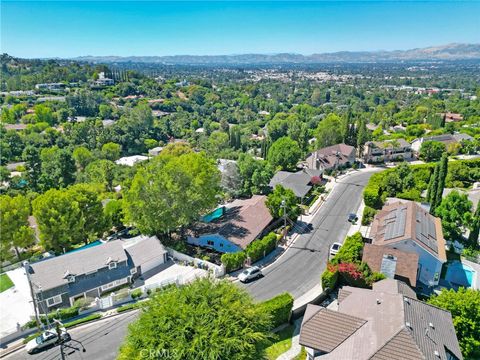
x,y
425,231
395,223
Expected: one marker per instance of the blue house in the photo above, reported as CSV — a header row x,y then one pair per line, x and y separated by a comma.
x,y
242,222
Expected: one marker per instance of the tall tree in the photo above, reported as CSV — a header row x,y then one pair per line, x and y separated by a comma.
x,y
33,165
58,168
442,175
203,320
16,232
464,305
433,186
284,153
362,136
475,227
282,200
172,191
455,213
329,131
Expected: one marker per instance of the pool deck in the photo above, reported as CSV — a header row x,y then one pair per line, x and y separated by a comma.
x,y
476,274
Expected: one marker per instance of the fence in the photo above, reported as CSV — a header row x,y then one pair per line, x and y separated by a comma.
x,y
216,270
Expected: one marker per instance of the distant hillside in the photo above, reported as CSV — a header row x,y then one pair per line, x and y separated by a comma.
x,y
445,52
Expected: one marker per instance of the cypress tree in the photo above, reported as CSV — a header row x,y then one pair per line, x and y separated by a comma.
x,y
442,174
474,231
432,188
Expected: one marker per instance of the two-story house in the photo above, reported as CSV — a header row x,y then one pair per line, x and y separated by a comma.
x,y
408,227
89,273
388,150
331,157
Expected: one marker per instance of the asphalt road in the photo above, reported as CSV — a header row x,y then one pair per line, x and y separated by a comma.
x,y
299,268
296,271
101,340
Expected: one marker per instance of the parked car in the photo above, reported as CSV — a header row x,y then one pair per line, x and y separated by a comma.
x,y
353,218
46,340
334,250
250,274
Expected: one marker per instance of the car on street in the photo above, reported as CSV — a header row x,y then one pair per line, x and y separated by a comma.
x,y
353,218
250,274
334,250
46,340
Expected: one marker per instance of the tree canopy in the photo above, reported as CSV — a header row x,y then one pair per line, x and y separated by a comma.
x,y
203,320
284,153
274,203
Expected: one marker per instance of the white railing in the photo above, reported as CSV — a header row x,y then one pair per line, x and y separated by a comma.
x,y
216,270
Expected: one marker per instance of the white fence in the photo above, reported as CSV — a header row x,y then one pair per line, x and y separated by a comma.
x,y
216,270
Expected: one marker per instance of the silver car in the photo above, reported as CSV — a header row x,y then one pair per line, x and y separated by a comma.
x,y
250,274
46,340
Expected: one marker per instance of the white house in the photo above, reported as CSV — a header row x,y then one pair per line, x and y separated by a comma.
x,y
406,226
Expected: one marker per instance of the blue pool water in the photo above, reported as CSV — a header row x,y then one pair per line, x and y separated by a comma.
x,y
460,274
92,244
215,214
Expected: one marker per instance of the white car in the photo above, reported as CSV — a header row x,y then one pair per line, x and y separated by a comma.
x,y
46,340
334,250
250,274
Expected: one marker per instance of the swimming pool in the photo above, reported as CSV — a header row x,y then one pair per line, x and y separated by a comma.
x,y
460,274
92,244
215,214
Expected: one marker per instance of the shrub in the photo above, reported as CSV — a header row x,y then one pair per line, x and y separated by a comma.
x,y
259,248
329,279
128,307
85,319
412,194
368,214
135,294
233,261
61,314
279,307
351,250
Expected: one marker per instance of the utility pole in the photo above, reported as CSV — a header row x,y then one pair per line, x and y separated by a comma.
x,y
60,340
26,266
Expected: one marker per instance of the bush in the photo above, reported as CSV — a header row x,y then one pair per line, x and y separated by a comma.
x,y
351,250
329,278
259,248
368,215
62,314
85,319
412,194
128,307
279,307
233,261
135,294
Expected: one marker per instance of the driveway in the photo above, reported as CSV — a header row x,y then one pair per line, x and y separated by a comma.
x,y
15,303
299,269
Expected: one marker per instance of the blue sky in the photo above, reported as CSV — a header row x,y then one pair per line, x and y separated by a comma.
x,y
75,28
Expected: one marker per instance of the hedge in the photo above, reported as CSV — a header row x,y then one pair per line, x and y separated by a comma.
x,y
368,214
85,319
279,307
351,250
329,279
233,261
259,248
128,307
136,293
62,314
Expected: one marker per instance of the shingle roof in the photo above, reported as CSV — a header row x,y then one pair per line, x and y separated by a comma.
x,y
145,250
244,220
391,286
326,329
331,156
298,182
50,273
404,263
401,346
405,220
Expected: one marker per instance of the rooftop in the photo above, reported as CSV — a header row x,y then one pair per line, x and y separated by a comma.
x,y
405,220
298,182
381,323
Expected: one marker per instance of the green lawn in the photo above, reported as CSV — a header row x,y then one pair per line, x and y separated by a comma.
x,y
5,282
280,344
302,355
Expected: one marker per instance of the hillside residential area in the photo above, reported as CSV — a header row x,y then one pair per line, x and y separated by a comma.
x,y
274,204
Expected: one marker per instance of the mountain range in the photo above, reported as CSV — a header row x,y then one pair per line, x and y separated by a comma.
x,y
453,51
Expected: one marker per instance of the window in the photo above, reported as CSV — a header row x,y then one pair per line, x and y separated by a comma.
x,y
210,242
112,265
71,278
57,299
114,284
221,244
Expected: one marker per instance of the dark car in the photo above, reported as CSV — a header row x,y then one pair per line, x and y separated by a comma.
x,y
353,218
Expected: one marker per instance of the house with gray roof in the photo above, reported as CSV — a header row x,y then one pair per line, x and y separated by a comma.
x,y
384,323
332,157
445,139
92,271
406,226
299,182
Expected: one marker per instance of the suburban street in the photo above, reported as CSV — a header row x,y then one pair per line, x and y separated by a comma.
x,y
296,271
101,339
299,268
